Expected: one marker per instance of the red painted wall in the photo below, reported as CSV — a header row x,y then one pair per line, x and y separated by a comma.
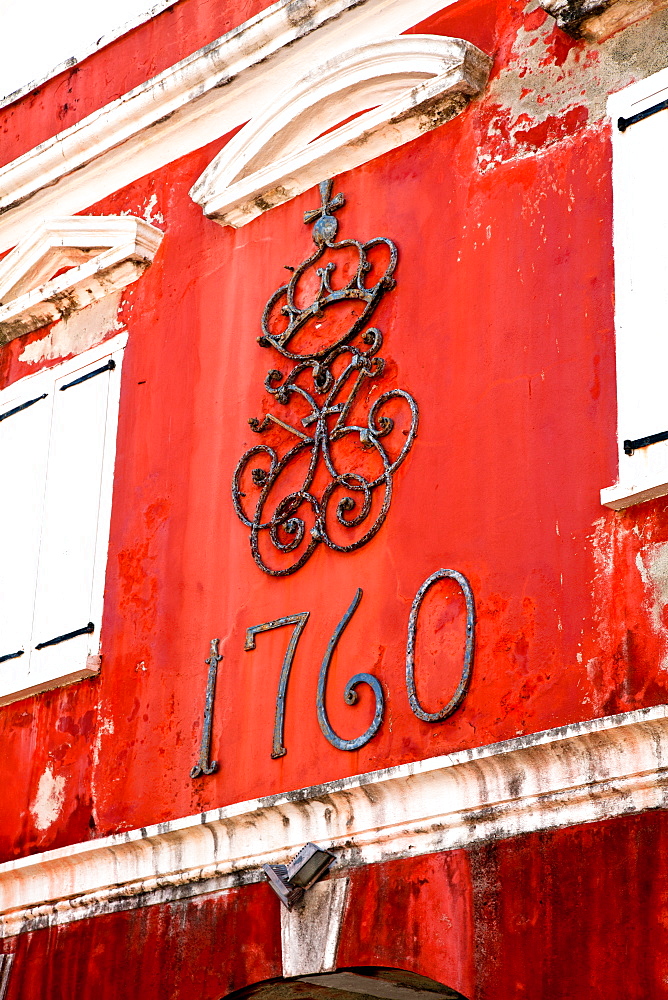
x,y
550,915
501,326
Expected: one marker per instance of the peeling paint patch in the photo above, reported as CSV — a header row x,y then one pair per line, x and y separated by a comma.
x,y
598,19
653,567
150,214
48,801
656,562
105,727
77,332
553,86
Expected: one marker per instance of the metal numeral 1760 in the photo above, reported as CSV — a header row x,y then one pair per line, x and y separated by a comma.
x,y
350,692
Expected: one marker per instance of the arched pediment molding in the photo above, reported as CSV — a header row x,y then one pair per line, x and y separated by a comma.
x,y
385,94
67,263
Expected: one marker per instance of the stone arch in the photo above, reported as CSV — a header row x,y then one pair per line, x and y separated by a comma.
x,y
358,983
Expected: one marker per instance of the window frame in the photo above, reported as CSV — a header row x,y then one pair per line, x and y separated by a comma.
x,y
22,681
642,475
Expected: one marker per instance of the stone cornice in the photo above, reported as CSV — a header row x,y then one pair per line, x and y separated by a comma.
x,y
192,103
577,774
412,83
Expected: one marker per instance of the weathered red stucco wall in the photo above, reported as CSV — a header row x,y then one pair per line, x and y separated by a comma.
x,y
502,327
547,915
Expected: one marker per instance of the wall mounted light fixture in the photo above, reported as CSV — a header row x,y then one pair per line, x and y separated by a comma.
x,y
289,882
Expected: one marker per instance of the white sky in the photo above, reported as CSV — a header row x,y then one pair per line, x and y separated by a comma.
x,y
38,35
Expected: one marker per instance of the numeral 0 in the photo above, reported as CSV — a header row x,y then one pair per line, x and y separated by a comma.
x,y
455,701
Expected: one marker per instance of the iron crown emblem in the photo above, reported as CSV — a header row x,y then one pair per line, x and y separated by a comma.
x,y
334,486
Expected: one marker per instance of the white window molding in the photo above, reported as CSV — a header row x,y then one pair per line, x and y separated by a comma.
x,y
640,207
596,20
412,83
581,773
103,254
195,101
57,448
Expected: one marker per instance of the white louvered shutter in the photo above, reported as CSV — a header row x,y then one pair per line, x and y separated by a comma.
x,y
72,532
24,436
640,155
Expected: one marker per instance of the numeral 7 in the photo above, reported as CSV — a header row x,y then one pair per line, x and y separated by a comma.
x,y
299,621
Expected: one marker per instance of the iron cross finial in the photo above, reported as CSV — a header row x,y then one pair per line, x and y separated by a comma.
x,y
327,203
325,224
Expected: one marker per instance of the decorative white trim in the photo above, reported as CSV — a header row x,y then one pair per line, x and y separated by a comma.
x,y
108,252
596,20
623,495
197,100
413,83
577,774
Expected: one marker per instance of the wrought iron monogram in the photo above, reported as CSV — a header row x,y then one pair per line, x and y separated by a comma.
x,y
325,334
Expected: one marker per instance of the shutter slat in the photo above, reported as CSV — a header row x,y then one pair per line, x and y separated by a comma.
x,y
23,455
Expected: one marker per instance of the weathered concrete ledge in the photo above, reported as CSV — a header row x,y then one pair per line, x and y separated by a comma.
x,y
595,20
577,774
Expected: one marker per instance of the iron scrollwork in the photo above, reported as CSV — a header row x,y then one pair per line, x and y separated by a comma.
x,y
328,371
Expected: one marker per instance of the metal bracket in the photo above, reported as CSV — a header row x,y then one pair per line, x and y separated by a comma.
x,y
631,446
86,630
624,123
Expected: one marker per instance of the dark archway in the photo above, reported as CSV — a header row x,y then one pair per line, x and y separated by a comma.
x,y
361,983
